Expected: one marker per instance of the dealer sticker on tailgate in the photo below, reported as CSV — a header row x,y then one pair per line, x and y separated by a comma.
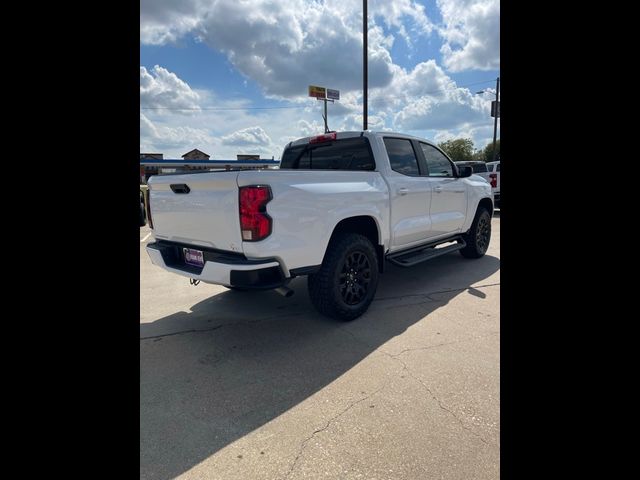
x,y
193,257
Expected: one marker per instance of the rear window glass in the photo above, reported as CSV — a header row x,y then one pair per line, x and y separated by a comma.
x,y
401,156
479,167
498,168
345,154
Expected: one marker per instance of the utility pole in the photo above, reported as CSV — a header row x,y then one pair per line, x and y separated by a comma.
x,y
495,120
365,66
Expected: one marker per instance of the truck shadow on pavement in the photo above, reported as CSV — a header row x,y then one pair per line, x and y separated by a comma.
x,y
238,360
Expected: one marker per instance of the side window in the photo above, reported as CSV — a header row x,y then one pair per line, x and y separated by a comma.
x,y
402,157
498,168
437,163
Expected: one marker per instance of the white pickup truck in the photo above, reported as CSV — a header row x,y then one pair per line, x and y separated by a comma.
x,y
339,207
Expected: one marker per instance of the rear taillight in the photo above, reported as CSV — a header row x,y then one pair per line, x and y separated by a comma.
x,y
255,224
494,179
147,204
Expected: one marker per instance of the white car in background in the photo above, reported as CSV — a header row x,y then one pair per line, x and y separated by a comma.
x,y
479,168
494,180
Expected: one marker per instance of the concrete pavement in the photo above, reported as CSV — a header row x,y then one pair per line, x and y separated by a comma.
x,y
238,385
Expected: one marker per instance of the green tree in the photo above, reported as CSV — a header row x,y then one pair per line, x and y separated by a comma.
x,y
488,151
478,156
459,150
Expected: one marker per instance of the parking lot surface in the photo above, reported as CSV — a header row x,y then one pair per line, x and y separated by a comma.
x,y
238,385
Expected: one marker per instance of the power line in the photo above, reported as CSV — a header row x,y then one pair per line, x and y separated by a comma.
x,y
219,108
476,83
446,89
300,106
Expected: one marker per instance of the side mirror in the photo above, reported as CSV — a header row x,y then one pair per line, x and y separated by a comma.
x,y
464,172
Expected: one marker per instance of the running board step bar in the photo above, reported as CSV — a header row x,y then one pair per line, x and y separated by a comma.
x,y
425,252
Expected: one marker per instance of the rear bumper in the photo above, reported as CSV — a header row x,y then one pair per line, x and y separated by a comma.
x,y
220,267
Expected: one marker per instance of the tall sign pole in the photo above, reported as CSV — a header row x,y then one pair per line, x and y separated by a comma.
x,y
365,67
326,125
496,114
326,95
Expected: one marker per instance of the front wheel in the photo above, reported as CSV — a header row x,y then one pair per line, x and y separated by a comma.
x,y
479,235
346,283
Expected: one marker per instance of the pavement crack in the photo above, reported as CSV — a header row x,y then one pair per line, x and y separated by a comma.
x,y
355,337
439,402
229,324
427,295
182,332
303,445
395,355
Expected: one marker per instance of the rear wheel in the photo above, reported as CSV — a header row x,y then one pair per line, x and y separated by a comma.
x,y
479,235
346,283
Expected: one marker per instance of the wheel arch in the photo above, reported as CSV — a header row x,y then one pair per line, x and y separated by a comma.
x,y
364,225
486,203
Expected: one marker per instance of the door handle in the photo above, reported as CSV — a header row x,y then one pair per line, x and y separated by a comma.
x,y
438,189
180,188
403,191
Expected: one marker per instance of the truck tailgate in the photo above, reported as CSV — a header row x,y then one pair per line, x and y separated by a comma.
x,y
207,215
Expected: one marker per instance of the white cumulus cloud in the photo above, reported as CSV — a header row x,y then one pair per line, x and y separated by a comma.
x,y
247,137
284,46
157,138
426,98
165,21
162,88
287,45
471,34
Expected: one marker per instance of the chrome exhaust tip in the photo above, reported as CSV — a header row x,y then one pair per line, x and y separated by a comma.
x,y
285,291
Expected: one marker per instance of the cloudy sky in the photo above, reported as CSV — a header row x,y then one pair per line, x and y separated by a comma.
x,y
232,76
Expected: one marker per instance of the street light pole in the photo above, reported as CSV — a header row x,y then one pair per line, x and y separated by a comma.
x,y
495,120
494,114
365,68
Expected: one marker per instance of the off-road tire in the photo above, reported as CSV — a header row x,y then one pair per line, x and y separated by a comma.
x,y
479,235
346,283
